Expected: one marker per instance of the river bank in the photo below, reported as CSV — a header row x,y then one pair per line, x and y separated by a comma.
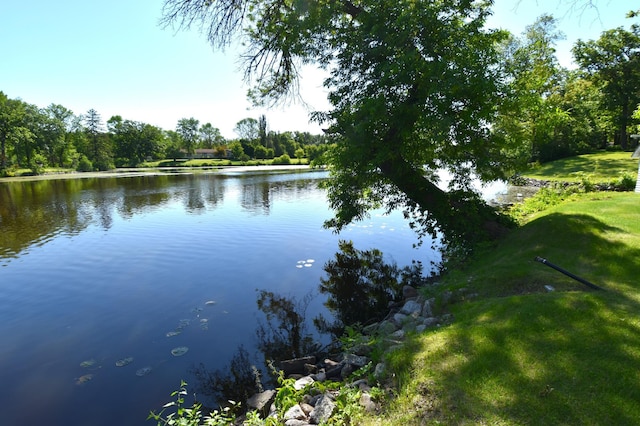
x,y
155,171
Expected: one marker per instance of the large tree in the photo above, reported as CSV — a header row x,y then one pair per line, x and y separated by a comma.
x,y
413,87
188,129
613,62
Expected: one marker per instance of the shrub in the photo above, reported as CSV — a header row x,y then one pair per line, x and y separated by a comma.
x,y
84,164
283,159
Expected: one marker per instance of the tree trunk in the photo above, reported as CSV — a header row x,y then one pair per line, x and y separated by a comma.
x,y
457,218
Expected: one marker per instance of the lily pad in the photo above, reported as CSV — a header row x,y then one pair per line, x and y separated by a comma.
x,y
179,351
88,363
124,361
143,371
84,379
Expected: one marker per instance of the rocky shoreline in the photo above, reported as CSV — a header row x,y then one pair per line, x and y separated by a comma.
x,y
413,314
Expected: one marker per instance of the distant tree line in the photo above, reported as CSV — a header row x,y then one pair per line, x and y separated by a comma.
x,y
35,138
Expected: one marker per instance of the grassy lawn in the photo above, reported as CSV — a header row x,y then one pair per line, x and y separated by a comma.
x,y
600,167
518,354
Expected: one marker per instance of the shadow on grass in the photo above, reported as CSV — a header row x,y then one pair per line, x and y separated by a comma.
x,y
554,358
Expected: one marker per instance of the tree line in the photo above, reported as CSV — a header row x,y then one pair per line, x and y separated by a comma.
x,y
35,138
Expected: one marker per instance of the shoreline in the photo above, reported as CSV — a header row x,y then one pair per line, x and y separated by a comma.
x,y
155,171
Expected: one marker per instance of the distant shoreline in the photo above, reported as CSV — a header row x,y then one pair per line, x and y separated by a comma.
x,y
154,171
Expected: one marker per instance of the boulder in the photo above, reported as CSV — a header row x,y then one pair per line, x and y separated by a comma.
x,y
261,402
411,307
408,292
296,365
323,410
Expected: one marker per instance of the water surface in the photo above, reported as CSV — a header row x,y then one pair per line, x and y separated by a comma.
x,y
100,269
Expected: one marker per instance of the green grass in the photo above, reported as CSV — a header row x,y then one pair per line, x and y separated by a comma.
x,y
517,354
599,167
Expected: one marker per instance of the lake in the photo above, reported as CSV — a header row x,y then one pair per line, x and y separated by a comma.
x,y
97,270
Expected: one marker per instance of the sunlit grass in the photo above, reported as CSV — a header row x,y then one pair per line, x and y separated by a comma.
x,y
517,354
599,167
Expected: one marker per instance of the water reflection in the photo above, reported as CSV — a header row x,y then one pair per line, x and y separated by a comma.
x,y
33,212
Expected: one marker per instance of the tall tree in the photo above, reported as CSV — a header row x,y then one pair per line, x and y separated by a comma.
x,y
11,117
413,85
247,128
613,62
94,127
262,132
187,128
210,136
532,113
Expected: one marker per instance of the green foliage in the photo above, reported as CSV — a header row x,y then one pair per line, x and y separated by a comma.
x,y
283,159
37,164
84,164
613,63
393,127
176,413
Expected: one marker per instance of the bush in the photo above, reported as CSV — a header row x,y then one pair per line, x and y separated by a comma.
x,y
37,164
84,164
283,159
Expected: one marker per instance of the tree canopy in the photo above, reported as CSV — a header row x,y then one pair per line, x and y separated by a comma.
x,y
413,87
613,62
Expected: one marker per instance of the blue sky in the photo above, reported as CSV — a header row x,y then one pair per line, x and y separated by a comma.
x,y
113,57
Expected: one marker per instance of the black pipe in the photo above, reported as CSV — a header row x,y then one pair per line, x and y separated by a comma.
x,y
567,273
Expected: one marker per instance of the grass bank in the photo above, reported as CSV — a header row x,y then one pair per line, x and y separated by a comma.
x,y
520,354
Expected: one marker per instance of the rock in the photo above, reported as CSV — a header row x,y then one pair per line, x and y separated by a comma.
x,y
398,334
346,371
323,410
430,322
362,349
356,360
307,408
410,326
333,371
427,309
295,412
303,382
296,365
261,401
399,318
296,422
380,371
421,328
319,377
313,401
330,363
408,292
411,307
367,403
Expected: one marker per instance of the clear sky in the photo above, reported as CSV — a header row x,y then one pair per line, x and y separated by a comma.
x,y
112,56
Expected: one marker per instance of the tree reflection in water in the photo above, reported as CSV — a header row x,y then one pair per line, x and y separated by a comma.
x,y
284,335
359,287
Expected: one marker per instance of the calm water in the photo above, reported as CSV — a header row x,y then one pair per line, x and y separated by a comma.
x,y
101,269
